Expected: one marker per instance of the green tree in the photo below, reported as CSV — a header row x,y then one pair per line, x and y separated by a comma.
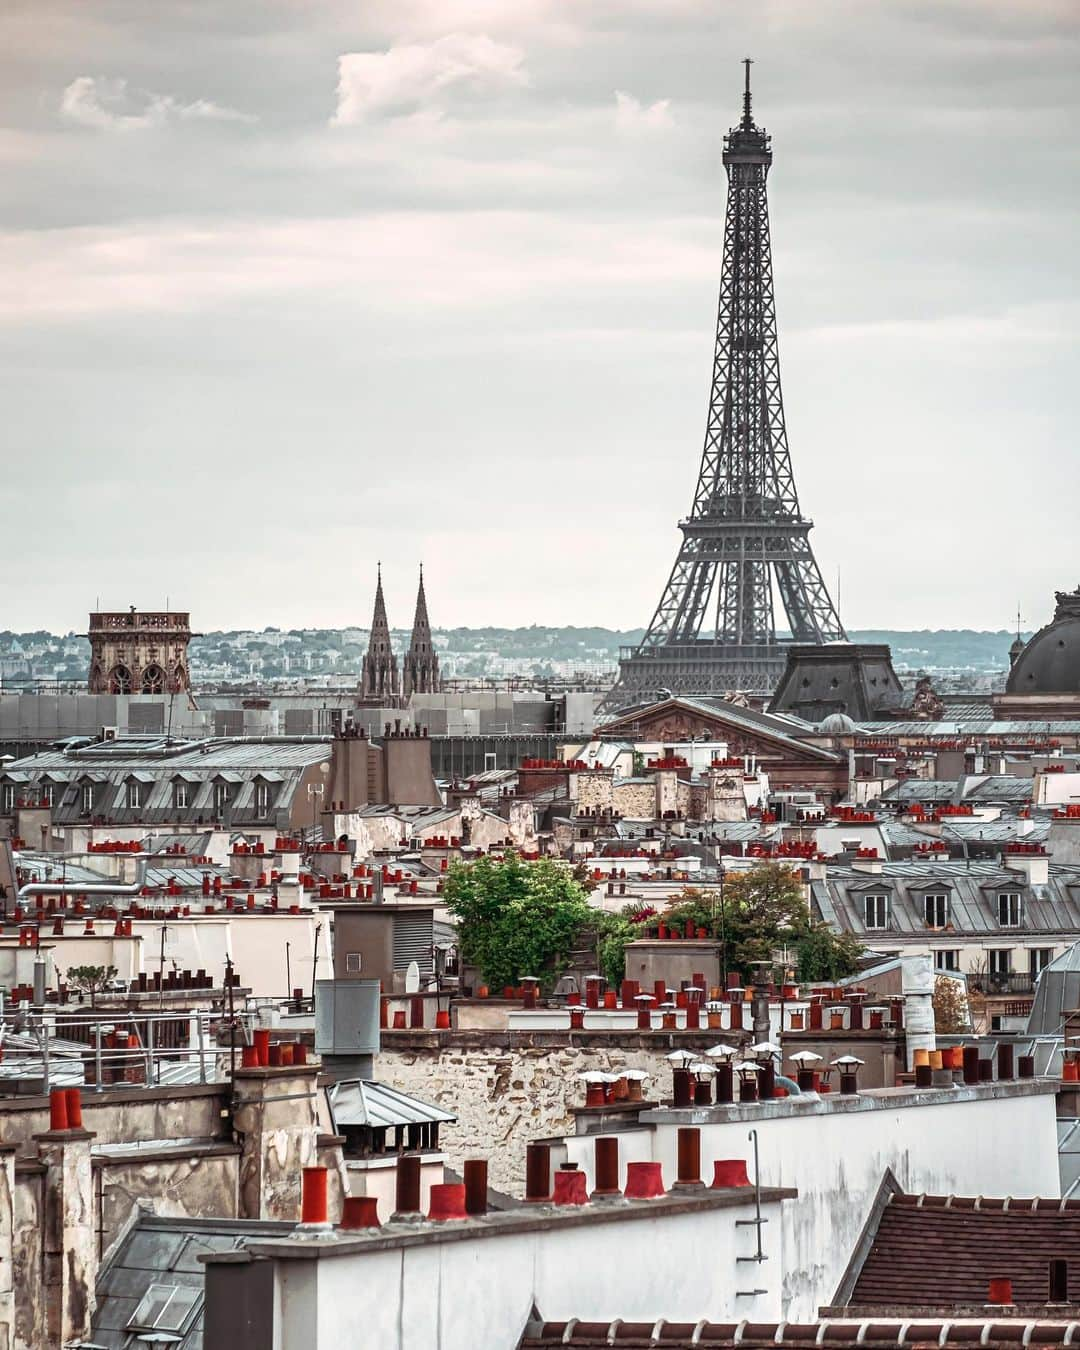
x,y
90,979
762,911
614,931
516,917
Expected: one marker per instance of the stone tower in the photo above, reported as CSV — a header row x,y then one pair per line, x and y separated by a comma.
x,y
379,682
420,673
133,652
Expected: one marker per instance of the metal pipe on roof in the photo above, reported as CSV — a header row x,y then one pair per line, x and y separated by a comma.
x,y
85,888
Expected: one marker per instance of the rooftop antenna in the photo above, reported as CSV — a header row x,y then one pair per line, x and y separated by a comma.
x,y
747,118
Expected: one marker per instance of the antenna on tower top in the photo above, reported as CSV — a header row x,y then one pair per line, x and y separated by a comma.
x,y
747,118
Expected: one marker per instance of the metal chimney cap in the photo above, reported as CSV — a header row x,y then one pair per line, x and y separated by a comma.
x,y
805,1057
722,1051
848,1062
680,1058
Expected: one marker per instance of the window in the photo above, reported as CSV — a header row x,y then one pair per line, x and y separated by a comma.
x,y
936,910
491,761
876,911
47,793
999,960
87,798
134,795
947,959
9,796
181,795
352,963
262,799
221,796
1010,909
165,1307
1038,959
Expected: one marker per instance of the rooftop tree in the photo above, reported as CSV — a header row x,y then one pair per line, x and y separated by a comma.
x,y
516,917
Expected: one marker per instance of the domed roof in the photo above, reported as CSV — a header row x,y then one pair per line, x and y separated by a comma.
x,y
1050,662
836,724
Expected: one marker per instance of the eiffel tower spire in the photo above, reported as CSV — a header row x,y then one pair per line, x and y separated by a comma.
x,y
379,674
420,671
745,539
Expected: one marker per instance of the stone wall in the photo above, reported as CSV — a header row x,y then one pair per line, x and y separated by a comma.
x,y
592,791
507,1088
635,799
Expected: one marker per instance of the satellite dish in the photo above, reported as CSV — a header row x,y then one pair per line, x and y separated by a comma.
x,y
412,978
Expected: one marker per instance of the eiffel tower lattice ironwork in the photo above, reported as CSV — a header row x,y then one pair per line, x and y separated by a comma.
x,y
745,530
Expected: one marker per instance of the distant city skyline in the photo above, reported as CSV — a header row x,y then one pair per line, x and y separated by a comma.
x,y
288,289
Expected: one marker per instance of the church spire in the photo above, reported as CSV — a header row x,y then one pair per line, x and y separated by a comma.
x,y
421,666
379,676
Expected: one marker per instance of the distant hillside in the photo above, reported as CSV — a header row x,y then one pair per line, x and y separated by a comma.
x,y
275,653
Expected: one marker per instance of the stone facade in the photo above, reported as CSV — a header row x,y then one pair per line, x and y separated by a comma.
x,y
635,799
139,653
508,1088
593,791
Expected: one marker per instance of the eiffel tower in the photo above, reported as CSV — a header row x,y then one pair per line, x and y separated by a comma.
x,y
745,538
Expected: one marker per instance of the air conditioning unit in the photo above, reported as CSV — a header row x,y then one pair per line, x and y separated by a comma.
x,y
108,733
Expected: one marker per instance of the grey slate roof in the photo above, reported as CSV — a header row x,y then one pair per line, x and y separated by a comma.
x,y
922,790
972,891
165,1251
157,765
961,729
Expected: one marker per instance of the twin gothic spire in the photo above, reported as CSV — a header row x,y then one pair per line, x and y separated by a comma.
x,y
380,681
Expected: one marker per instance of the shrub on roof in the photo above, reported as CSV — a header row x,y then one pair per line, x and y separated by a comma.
x,y
516,917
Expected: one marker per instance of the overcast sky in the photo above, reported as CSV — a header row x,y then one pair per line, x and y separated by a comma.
x,y
289,286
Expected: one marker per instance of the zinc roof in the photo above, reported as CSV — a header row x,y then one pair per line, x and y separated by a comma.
x,y
357,1101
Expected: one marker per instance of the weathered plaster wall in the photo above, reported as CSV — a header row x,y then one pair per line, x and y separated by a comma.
x,y
118,1117
279,1135
508,1088
191,1184
26,1260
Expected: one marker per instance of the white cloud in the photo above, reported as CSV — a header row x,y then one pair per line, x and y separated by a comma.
x,y
415,77
390,261
631,115
112,105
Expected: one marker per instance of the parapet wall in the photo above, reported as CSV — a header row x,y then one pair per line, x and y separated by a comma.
x,y
509,1087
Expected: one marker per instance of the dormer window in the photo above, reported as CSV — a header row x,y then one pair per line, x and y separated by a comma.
x,y
262,798
1010,909
221,796
9,796
87,798
134,794
48,793
936,910
876,912
181,795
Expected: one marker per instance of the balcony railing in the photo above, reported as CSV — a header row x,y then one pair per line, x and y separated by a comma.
x,y
1002,985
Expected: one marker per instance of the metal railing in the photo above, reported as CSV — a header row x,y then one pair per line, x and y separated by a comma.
x,y
99,1050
